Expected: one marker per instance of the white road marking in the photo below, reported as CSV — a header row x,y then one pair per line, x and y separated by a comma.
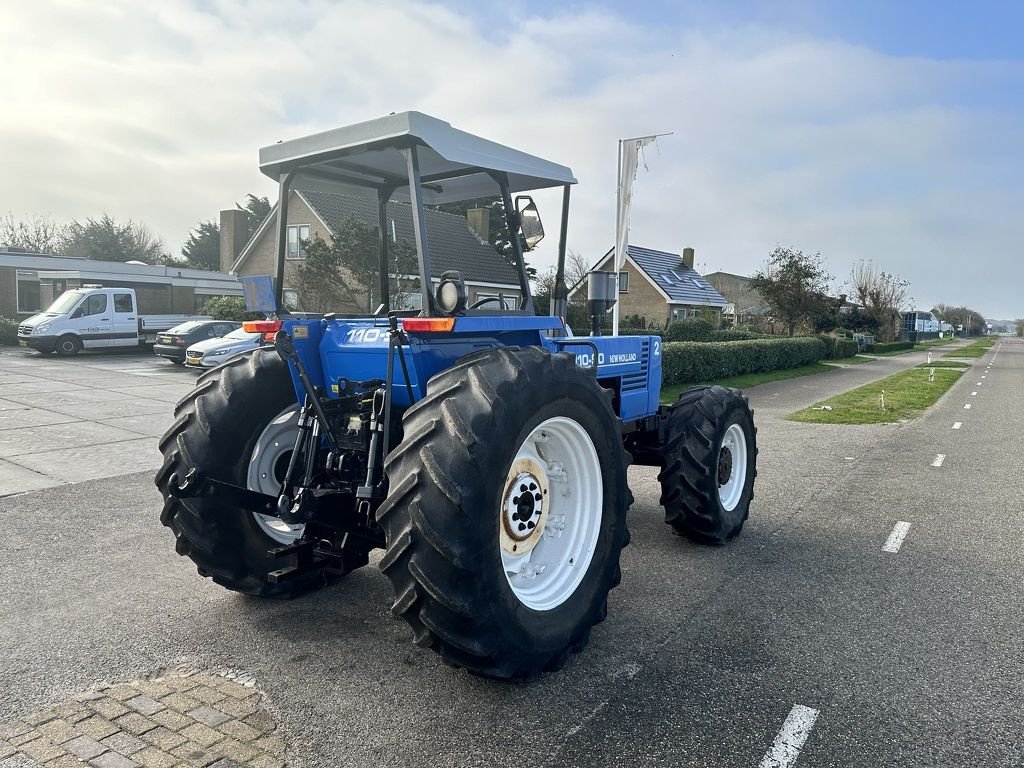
x,y
973,394
939,458
983,376
967,406
790,740
956,424
895,540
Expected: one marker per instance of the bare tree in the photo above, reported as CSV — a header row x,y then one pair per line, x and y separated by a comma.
x,y
40,234
576,269
882,295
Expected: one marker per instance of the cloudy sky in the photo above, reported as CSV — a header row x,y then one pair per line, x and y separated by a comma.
x,y
853,129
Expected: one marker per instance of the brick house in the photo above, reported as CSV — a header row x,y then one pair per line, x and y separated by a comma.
x,y
744,304
661,287
453,244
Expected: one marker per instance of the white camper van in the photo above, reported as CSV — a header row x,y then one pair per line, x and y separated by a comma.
x,y
93,317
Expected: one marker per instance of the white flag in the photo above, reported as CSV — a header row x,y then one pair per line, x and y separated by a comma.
x,y
629,160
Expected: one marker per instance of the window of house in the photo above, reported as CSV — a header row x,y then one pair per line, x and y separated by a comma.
x,y
290,299
28,291
623,282
296,234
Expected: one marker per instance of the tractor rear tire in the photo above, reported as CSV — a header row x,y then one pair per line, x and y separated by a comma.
x,y
497,422
709,463
216,430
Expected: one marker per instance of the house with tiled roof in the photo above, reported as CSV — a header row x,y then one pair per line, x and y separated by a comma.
x,y
453,245
661,287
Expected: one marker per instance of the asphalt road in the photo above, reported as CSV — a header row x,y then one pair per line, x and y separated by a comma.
x,y
910,658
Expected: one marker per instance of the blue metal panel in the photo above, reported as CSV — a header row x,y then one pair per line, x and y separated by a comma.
x,y
357,349
477,323
626,358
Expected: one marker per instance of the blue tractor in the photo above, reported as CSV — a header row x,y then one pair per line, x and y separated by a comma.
x,y
483,448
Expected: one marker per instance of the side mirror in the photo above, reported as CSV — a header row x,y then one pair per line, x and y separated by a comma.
x,y
529,221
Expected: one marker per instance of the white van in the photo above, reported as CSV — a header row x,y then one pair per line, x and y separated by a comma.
x,y
92,317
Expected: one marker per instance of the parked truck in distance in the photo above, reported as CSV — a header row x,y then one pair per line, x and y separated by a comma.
x,y
93,317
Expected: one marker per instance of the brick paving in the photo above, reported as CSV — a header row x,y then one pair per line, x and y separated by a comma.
x,y
185,718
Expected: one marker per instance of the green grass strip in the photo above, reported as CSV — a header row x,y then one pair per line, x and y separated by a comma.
x,y
977,349
855,360
906,395
934,343
945,364
671,392
891,354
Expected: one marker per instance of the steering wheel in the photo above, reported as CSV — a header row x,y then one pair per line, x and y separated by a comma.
x,y
502,299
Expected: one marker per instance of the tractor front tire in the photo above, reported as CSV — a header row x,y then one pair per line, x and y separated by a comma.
x,y
506,512
218,429
709,463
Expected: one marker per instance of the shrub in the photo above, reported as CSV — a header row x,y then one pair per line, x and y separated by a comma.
x,y
691,329
837,347
229,308
890,346
688,362
641,332
731,334
8,331
723,335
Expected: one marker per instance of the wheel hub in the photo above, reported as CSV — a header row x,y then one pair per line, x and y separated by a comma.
x,y
524,506
724,466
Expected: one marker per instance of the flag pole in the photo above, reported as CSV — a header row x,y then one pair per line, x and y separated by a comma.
x,y
623,201
615,254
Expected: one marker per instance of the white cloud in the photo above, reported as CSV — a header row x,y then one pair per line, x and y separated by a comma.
x,y
157,115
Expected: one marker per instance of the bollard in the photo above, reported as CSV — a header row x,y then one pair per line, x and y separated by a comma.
x,y
929,357
881,400
931,374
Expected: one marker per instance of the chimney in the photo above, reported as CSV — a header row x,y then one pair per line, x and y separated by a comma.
x,y
479,220
234,234
687,257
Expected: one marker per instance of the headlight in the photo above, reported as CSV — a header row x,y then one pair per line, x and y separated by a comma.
x,y
218,352
43,328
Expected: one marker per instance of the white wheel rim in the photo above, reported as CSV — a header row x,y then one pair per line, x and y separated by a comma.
x,y
732,457
266,469
547,540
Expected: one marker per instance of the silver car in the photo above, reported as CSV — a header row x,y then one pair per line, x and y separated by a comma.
x,y
210,353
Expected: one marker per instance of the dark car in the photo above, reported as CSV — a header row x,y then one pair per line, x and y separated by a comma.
x,y
172,344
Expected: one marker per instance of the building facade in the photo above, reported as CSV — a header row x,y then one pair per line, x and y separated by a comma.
x,y
660,287
29,283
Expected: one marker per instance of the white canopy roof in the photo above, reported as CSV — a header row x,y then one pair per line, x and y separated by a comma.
x,y
453,164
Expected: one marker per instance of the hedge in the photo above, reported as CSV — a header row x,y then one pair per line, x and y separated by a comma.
x,y
730,334
687,362
8,331
727,334
837,348
891,346
691,329
641,332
